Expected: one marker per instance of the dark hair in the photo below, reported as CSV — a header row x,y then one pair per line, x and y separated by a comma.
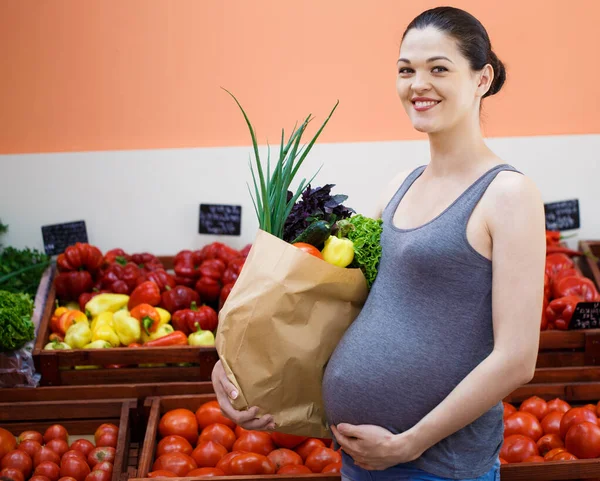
x,y
473,40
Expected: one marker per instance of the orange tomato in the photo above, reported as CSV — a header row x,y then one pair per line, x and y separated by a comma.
x,y
251,464
536,406
181,422
321,457
173,444
558,405
255,442
517,448
576,416
210,413
284,457
523,423
309,249
219,433
289,441
548,442
509,409
305,448
294,469
551,423
583,440
550,455
208,453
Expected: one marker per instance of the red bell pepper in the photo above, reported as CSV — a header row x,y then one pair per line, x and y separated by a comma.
x,y
557,262
81,256
224,294
145,293
188,320
116,256
581,287
176,338
146,261
187,264
552,238
160,277
120,279
148,316
562,250
208,288
213,268
547,287
185,281
246,250
560,311
180,297
70,285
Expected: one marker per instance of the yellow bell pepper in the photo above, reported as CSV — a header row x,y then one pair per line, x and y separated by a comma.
x,y
160,332
106,333
165,316
201,338
98,344
78,335
87,367
126,327
56,346
338,251
71,306
103,319
106,302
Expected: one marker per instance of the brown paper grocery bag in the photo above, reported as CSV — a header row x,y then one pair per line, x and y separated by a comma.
x,y
278,328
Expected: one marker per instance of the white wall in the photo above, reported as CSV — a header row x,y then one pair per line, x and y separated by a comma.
x,y
149,200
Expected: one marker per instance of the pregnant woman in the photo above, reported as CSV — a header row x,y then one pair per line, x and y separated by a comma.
x,y
451,325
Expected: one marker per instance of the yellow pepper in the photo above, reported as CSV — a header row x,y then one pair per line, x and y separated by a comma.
x,y
106,333
106,302
103,319
98,344
56,346
87,367
201,338
338,251
71,306
160,332
78,335
165,316
126,327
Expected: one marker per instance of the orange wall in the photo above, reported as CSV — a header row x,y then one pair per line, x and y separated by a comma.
x,y
145,74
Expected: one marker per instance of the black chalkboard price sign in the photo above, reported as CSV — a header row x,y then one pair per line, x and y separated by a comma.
x,y
562,215
220,219
586,316
58,237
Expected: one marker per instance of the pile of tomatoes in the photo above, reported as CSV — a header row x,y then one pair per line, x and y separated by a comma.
x,y
35,456
205,443
542,431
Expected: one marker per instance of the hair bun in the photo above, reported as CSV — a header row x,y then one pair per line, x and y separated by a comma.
x,y
499,74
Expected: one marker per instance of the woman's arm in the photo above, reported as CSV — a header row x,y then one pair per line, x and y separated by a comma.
x,y
517,228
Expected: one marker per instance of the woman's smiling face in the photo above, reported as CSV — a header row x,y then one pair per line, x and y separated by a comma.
x,y
435,82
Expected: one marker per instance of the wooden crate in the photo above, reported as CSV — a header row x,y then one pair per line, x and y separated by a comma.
x,y
575,393
569,348
81,419
587,265
57,367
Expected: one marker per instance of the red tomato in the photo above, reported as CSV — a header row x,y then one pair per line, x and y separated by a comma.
x,y
288,441
210,413
225,463
104,466
309,249
48,469
74,467
73,453
208,453
321,457
83,446
536,406
59,446
56,431
174,444
550,455
45,454
107,438
591,407
503,461
251,463
19,460
534,459
12,473
162,473
523,423
38,477
178,463
99,455
98,475
104,428
565,456
255,442
558,405
32,435
509,409
337,468
517,448
305,448
294,469
30,447
7,442
576,416
284,457
209,472
548,442
181,422
219,433
583,440
551,423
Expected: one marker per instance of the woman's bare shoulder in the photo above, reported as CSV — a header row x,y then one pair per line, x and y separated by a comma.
x,y
389,190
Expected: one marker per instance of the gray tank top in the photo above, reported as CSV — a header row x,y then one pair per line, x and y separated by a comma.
x,y
426,324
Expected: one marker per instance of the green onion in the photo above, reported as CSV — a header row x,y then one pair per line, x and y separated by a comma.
x,y
270,191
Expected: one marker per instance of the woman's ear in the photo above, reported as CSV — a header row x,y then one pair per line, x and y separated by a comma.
x,y
486,77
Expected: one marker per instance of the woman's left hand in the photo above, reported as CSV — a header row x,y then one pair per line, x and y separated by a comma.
x,y
375,448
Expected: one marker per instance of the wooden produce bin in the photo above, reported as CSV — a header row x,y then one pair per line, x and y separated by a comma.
x,y
58,367
588,265
81,419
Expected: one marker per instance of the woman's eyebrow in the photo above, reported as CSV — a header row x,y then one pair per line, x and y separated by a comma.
x,y
432,59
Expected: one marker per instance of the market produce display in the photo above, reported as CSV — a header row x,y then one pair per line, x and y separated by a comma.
x,y
48,456
205,443
564,287
541,431
16,327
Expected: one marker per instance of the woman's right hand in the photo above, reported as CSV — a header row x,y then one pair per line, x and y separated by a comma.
x,y
226,391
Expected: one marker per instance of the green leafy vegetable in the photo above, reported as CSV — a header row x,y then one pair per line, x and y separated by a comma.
x,y
22,269
16,327
365,236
